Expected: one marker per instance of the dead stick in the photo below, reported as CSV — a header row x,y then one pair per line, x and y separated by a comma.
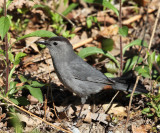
x,y
77,45
6,99
45,106
135,18
130,103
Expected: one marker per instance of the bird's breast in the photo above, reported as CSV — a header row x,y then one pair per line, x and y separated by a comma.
x,y
63,72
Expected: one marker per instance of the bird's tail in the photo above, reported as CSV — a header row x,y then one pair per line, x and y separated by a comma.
x,y
126,83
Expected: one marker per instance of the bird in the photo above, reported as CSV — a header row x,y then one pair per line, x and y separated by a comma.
x,y
78,76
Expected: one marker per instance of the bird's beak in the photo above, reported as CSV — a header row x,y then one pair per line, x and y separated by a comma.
x,y
41,42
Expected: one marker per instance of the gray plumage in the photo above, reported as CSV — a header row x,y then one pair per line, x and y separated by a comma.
x,y
76,74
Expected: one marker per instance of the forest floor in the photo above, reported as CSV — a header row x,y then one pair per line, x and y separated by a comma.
x,y
85,25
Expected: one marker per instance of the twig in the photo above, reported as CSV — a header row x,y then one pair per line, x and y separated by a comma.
x,y
49,88
48,123
64,17
45,106
54,107
135,18
143,38
150,43
77,45
130,102
137,79
154,28
111,101
121,47
6,49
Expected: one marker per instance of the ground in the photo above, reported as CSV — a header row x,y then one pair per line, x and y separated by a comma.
x,y
86,25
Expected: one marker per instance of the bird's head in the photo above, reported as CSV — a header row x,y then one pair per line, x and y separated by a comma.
x,y
57,45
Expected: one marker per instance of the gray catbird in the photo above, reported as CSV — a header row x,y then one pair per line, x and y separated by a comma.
x,y
80,77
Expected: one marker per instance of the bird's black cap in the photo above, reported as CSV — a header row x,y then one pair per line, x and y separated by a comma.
x,y
56,38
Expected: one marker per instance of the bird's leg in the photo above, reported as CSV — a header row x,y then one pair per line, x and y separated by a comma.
x,y
93,104
76,120
83,101
66,108
79,115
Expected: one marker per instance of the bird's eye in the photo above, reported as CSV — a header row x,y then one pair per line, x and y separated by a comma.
x,y
55,43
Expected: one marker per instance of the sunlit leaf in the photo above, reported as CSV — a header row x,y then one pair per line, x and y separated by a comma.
x,y
158,59
89,51
109,75
123,31
70,8
105,3
143,71
146,110
111,67
11,56
36,92
22,78
13,84
131,62
89,22
15,101
1,52
110,6
151,59
36,84
39,33
5,24
94,50
18,57
137,42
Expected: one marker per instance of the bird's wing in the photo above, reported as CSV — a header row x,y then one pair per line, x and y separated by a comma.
x,y
85,72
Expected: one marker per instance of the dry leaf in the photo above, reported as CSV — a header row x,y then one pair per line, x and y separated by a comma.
x,y
32,99
30,121
101,117
109,31
19,84
115,109
2,116
88,117
103,17
1,82
141,129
